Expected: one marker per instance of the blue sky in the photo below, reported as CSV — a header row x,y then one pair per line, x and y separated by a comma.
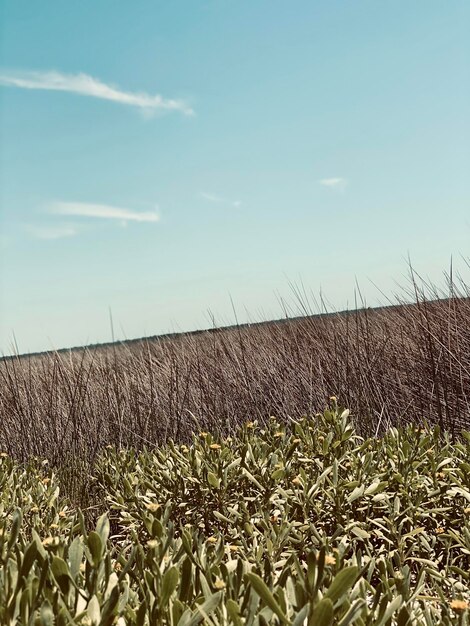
x,y
161,158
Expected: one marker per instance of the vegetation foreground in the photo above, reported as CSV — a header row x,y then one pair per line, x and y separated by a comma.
x,y
308,524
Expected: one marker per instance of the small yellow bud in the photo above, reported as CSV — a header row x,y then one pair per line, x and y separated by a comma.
x,y
219,584
152,506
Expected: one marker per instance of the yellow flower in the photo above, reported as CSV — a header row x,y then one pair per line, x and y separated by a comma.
x,y
117,567
279,434
215,446
46,480
203,434
212,539
50,541
34,509
467,510
459,605
3,455
296,481
219,584
152,506
152,543
440,530
233,548
296,440
250,424
62,514
333,399
330,560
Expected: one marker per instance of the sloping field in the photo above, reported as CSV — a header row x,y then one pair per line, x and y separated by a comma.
x,y
395,365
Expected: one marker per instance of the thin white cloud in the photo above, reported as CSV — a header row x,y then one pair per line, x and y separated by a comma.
x,y
86,85
52,232
102,211
333,183
212,197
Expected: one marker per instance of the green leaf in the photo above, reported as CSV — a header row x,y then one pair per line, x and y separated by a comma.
x,y
251,478
205,609
185,586
213,480
110,607
360,532
96,547
391,609
46,614
233,611
102,528
342,582
322,614
353,612
140,617
265,594
357,493
169,583
28,559
301,616
277,474
93,610
15,528
61,573
75,557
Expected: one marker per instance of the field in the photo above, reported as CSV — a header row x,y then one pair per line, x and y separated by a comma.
x,y
305,523
207,478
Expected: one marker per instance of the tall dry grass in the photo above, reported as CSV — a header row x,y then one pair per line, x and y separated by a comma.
x,y
406,362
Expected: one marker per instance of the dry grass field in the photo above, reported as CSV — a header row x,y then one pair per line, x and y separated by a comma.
x,y
394,365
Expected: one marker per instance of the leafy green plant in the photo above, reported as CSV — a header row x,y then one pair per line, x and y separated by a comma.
x,y
300,524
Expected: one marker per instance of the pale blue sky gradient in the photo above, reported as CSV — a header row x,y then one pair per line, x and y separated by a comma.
x,y
371,98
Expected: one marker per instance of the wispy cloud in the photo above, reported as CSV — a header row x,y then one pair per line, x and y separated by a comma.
x,y
212,197
334,183
86,85
102,211
52,232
